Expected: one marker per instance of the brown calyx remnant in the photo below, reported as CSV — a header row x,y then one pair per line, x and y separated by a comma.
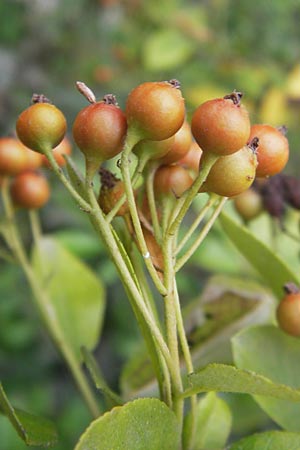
x,y
108,179
40,98
235,96
175,83
254,144
110,99
291,288
86,91
283,129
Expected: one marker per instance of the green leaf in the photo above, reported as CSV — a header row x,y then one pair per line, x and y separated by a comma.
x,y
146,423
166,49
34,430
269,351
271,268
111,397
75,293
213,424
273,440
226,378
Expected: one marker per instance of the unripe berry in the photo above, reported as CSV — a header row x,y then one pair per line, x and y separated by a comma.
x,y
41,125
155,110
30,190
13,156
222,125
248,204
232,174
288,311
272,151
171,180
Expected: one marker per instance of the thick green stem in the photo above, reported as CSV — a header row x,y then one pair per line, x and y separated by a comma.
x,y
151,201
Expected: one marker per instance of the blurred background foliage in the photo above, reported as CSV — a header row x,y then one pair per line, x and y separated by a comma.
x,y
212,47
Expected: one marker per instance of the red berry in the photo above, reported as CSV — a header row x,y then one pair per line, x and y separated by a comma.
x,y
99,130
272,151
155,110
112,189
191,159
232,174
41,125
171,180
30,190
288,313
222,125
13,156
181,145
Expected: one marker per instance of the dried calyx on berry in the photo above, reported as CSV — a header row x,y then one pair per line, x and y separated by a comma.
x,y
112,189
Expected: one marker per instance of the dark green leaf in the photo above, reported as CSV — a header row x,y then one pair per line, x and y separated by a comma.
x,y
34,430
225,378
273,440
269,351
213,424
271,268
75,293
142,424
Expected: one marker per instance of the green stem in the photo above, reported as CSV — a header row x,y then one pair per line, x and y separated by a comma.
x,y
208,160
210,202
134,214
151,201
204,232
46,309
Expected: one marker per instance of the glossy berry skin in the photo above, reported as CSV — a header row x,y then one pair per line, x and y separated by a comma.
x,y
248,204
181,145
13,156
30,190
155,110
232,174
99,130
171,180
64,148
272,151
220,126
288,314
41,125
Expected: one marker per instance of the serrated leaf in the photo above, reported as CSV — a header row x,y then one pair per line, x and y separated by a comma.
x,y
166,49
271,268
226,378
138,425
34,430
75,293
273,440
213,424
269,351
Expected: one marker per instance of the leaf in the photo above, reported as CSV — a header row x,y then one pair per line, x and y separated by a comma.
x,y
271,268
34,430
213,424
138,425
226,378
273,440
111,397
166,49
267,350
75,293
226,306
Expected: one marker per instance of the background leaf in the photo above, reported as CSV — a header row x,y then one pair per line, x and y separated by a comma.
x,y
273,440
213,424
271,268
76,294
34,430
225,378
138,425
267,350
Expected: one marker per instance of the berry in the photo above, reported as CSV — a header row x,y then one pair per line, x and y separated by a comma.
x,y
34,159
222,125
13,156
191,159
272,151
41,125
30,190
64,148
171,180
288,311
155,110
112,189
153,149
154,249
232,174
99,130
180,146
248,204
